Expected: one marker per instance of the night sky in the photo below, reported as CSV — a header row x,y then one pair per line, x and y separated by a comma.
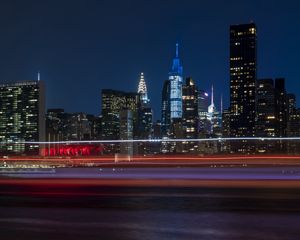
x,y
81,47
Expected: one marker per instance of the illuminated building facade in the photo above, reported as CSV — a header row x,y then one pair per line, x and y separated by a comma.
x,y
281,110
226,123
265,114
145,113
203,102
142,91
165,110
293,130
145,118
62,126
175,78
225,145
190,114
293,124
79,127
291,103
243,69
211,108
112,103
55,124
265,106
126,131
214,118
242,79
145,127
274,106
22,116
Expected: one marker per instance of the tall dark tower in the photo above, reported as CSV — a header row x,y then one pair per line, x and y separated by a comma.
x,y
281,107
243,68
190,114
165,109
113,102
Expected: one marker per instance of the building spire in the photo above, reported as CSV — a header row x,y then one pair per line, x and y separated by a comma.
x,y
221,103
142,89
38,76
176,65
212,95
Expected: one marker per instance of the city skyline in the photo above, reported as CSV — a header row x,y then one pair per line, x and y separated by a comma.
x,y
86,67
185,111
144,119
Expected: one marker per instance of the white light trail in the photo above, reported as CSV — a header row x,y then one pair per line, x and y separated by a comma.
x,y
220,139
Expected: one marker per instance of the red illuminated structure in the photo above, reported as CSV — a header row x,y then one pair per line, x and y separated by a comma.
x,y
74,150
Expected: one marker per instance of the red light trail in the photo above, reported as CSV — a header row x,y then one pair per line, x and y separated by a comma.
x,y
162,159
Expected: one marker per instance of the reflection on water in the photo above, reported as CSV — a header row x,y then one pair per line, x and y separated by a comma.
x,y
154,213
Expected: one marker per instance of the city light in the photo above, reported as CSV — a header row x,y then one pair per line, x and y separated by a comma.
x,y
162,140
149,120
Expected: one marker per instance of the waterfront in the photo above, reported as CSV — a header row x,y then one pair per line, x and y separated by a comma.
x,y
189,203
153,213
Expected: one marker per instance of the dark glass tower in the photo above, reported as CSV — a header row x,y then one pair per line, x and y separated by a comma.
x,y
113,102
203,102
265,115
281,107
242,79
145,113
272,111
190,114
243,68
265,107
165,109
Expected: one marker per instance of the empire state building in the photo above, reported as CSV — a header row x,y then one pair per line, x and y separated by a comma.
x,y
175,78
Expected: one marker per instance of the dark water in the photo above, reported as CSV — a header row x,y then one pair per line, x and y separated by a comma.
x,y
152,213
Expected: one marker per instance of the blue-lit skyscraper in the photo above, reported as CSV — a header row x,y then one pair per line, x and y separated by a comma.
x,y
175,78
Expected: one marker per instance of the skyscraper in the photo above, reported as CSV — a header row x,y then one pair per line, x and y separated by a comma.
x,y
293,130
112,103
281,112
214,117
265,114
175,78
225,145
226,123
281,107
22,116
203,102
126,131
145,125
291,103
211,111
265,107
165,109
190,114
142,90
273,108
242,83
145,113
242,79
62,126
